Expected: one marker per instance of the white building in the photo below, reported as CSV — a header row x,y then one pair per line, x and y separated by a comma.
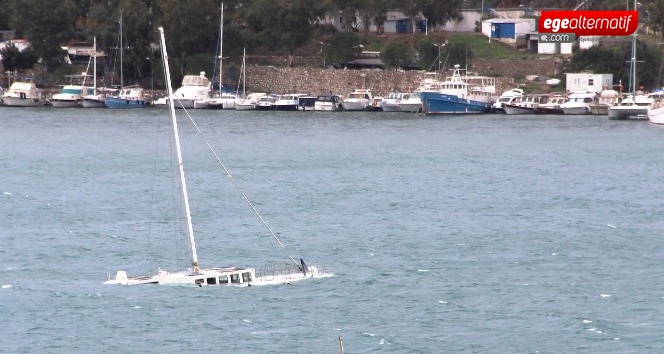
x,y
20,44
507,29
578,82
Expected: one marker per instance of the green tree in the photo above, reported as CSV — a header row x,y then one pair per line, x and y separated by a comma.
x,y
342,47
439,12
47,27
656,17
15,60
5,15
396,55
284,24
456,53
347,11
427,54
616,59
189,30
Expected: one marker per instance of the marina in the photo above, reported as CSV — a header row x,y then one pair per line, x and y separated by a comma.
x,y
479,233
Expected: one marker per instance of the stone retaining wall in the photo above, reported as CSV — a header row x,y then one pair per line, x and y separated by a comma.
x,y
315,81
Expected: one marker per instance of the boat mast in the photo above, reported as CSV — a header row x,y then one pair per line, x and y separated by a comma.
x,y
94,65
176,137
221,46
121,55
633,73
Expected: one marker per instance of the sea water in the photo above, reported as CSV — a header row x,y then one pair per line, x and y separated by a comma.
x,y
467,234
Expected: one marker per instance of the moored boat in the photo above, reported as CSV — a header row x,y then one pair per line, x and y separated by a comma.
x,y
632,106
459,94
288,102
329,102
551,105
606,99
411,103
578,103
358,100
506,97
265,103
655,111
194,88
249,103
306,103
525,104
392,103
23,93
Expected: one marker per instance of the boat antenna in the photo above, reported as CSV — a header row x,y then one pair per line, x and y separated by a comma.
x,y
176,137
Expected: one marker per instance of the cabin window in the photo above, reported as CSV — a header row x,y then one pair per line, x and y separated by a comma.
x,y
200,281
246,277
591,82
223,279
235,278
212,281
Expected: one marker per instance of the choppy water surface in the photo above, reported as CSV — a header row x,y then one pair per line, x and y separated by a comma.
x,y
480,234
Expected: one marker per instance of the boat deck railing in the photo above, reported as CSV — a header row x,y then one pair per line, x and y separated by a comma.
x,y
273,272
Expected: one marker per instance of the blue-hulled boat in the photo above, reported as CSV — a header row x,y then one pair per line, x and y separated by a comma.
x,y
127,97
459,94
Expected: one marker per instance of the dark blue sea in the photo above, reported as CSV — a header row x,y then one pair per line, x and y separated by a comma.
x,y
464,234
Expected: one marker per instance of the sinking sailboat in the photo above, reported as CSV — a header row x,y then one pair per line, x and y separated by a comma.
x,y
214,276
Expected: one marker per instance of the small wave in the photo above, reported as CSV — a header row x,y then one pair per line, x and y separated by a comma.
x,y
6,286
605,295
442,302
423,270
7,193
369,334
595,330
611,226
246,320
587,321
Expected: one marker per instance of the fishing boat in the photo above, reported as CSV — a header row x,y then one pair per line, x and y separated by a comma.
x,y
213,276
460,94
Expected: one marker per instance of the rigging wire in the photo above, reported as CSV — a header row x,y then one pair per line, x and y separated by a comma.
x,y
237,185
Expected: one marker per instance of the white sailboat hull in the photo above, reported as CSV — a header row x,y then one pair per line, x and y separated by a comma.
x,y
225,276
656,115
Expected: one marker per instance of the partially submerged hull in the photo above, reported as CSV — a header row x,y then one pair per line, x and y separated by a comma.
x,y
224,276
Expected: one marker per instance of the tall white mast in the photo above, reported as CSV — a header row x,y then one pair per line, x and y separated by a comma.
x,y
221,45
121,54
94,66
176,136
